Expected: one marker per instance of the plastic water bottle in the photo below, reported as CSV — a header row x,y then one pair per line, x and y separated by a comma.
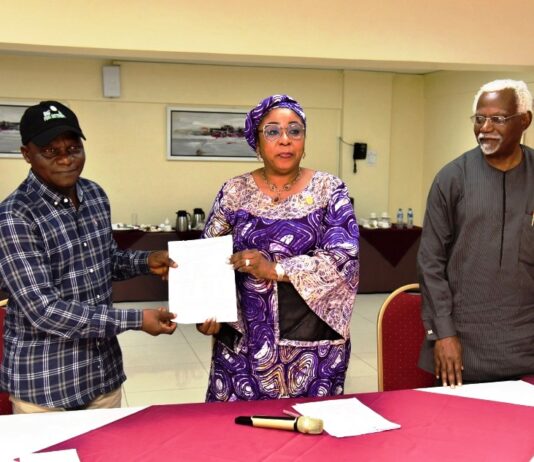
x,y
409,218
400,219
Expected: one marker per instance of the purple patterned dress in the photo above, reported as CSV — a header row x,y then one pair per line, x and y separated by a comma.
x,y
314,236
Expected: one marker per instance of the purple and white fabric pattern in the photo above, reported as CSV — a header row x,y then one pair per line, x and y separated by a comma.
x,y
313,234
256,115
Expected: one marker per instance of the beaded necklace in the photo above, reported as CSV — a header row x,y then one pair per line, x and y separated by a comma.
x,y
275,189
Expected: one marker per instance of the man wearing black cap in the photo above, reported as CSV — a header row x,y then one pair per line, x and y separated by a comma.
x,y
57,261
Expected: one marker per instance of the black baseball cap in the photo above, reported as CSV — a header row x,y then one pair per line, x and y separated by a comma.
x,y
41,123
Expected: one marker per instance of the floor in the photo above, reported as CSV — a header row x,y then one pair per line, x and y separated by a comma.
x,y
174,369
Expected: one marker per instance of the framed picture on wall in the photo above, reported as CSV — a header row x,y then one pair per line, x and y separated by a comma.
x,y
207,134
10,142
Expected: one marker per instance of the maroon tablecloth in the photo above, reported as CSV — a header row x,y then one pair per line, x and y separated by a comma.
x,y
126,239
141,240
388,258
433,428
392,243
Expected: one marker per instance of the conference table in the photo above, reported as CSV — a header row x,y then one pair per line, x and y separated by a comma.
x,y
434,427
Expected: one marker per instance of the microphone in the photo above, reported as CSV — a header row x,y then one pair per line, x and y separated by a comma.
x,y
302,424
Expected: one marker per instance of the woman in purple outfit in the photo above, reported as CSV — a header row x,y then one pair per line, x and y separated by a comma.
x,y
296,261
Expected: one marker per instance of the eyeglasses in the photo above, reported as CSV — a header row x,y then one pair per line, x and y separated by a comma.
x,y
294,131
494,120
53,153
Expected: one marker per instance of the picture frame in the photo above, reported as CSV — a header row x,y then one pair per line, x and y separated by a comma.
x,y
213,134
10,114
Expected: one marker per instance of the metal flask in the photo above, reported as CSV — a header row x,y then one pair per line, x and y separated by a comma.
x,y
182,220
197,222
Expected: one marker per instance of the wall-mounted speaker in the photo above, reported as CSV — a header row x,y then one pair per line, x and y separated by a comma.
x,y
111,81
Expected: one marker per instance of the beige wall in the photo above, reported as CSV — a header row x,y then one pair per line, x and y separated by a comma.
x,y
349,34
126,137
413,124
367,118
448,131
407,143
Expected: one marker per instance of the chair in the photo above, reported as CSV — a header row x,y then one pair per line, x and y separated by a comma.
x,y
5,404
400,334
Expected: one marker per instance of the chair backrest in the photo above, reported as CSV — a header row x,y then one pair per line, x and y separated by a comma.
x,y
5,404
400,334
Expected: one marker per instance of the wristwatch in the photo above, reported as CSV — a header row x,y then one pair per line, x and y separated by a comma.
x,y
280,273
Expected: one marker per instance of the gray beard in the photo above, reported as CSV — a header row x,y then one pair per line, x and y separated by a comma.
x,y
490,147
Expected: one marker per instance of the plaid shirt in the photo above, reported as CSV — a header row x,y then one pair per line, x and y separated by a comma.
x,y
57,264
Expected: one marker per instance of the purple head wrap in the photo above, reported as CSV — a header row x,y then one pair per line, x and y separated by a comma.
x,y
255,116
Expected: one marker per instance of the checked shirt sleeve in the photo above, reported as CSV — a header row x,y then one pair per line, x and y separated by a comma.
x,y
61,303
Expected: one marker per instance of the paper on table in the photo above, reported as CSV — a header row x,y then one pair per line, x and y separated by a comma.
x,y
203,285
510,391
346,417
67,455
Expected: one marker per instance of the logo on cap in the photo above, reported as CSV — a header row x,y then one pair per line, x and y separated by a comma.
x,y
45,121
53,113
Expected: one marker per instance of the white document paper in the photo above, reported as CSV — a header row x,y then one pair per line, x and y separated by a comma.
x,y
203,285
67,455
346,417
510,391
